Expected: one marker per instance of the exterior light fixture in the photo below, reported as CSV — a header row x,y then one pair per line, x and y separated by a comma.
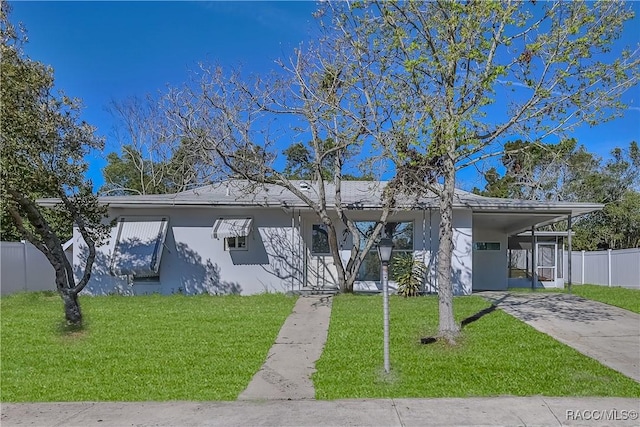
x,y
385,246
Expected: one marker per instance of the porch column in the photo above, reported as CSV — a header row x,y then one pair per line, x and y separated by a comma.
x,y
534,263
569,252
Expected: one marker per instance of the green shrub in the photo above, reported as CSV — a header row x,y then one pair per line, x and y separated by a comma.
x,y
410,273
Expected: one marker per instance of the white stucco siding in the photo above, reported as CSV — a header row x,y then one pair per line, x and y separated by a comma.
x,y
101,282
462,259
490,267
279,243
194,262
267,264
277,257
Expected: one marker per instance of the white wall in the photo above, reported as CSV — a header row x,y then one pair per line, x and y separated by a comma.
x,y
194,262
278,258
462,262
490,267
24,268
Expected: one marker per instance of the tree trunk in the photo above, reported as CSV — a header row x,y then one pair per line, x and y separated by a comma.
x,y
72,311
343,283
349,280
68,293
447,328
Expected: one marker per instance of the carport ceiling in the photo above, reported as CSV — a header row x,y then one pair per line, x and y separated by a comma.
x,y
513,223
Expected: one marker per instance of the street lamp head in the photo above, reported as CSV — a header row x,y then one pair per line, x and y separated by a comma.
x,y
385,246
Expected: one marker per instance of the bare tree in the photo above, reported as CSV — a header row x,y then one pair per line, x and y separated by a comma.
x,y
322,100
463,77
148,162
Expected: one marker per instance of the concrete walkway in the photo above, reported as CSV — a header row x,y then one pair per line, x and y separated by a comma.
x,y
608,334
495,411
286,374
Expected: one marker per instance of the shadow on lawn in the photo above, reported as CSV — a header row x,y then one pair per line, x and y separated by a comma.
x,y
478,315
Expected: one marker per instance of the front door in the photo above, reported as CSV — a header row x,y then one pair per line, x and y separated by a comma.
x,y
546,263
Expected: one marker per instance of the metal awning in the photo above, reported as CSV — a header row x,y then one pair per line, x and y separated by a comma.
x,y
231,227
138,246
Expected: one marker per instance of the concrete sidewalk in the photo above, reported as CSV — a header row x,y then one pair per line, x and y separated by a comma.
x,y
603,332
286,374
497,411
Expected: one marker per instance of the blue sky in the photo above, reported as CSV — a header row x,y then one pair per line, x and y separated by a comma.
x,y
104,51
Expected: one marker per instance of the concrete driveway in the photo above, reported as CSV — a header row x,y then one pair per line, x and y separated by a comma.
x,y
608,334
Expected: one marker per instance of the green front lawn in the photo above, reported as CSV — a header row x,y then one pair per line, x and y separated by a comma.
x,y
498,355
628,299
208,348
136,348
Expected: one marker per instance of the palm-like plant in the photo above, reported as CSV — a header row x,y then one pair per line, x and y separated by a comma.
x,y
409,273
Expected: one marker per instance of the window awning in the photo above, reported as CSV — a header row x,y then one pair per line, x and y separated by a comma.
x,y
138,246
231,227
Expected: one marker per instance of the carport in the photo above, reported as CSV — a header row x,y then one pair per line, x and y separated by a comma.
x,y
503,226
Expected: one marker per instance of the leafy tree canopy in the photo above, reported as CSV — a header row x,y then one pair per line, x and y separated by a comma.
x,y
462,77
301,165
569,172
44,143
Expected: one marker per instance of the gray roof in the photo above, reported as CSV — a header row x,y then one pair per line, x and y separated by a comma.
x,y
355,195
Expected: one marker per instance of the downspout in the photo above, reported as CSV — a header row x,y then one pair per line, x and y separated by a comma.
x,y
569,252
424,244
510,261
558,270
533,258
429,273
294,260
305,259
301,252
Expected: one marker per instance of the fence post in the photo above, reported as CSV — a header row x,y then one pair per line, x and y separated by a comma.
x,y
24,259
582,265
569,232
609,265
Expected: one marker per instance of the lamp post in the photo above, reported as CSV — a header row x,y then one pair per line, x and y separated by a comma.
x,y
385,246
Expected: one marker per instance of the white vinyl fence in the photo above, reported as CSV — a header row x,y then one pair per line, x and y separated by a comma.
x,y
609,268
24,268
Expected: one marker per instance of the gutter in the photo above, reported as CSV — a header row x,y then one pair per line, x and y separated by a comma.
x,y
475,206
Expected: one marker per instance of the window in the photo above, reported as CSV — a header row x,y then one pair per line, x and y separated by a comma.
x,y
401,233
234,231
486,246
320,239
238,243
138,246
